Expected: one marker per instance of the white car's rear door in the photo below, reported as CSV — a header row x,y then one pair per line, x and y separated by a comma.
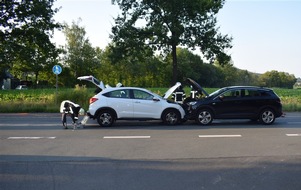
x,y
121,102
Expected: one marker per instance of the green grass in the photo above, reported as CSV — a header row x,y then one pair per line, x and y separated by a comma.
x,y
48,100
42,100
290,98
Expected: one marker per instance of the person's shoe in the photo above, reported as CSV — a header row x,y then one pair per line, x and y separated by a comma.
x,y
65,125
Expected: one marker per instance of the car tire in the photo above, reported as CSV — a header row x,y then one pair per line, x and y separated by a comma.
x,y
267,116
105,118
171,117
204,117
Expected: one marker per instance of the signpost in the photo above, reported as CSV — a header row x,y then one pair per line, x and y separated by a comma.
x,y
56,69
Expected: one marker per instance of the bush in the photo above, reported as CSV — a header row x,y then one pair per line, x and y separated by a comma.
x,y
42,100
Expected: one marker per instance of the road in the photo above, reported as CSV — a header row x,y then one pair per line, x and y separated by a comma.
x,y
36,153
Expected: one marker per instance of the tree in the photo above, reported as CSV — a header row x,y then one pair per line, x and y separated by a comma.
x,y
163,25
80,56
277,79
147,73
26,28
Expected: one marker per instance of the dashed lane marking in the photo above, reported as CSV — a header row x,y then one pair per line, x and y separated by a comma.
x,y
30,138
127,137
218,136
293,135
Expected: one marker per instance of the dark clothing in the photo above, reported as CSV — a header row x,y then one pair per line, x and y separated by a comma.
x,y
69,108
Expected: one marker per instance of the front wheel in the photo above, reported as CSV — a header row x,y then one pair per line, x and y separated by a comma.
x,y
105,118
171,117
204,117
267,117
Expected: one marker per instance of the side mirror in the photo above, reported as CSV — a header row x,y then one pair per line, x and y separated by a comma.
x,y
221,97
156,99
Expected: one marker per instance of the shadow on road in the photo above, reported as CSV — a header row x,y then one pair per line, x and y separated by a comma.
x,y
77,173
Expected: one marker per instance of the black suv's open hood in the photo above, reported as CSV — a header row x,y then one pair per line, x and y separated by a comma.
x,y
196,86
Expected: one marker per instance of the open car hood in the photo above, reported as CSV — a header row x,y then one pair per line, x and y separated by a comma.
x,y
196,86
171,90
94,80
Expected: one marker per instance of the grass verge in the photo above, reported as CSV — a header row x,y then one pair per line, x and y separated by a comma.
x,y
48,100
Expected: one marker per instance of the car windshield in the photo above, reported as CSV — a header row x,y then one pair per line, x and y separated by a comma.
x,y
155,95
215,93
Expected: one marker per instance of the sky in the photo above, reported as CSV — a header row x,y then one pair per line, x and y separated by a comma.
x,y
266,33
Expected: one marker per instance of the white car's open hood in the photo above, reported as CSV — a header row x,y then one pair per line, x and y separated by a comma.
x,y
171,90
94,80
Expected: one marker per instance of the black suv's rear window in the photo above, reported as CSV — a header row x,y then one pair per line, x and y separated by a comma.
x,y
255,93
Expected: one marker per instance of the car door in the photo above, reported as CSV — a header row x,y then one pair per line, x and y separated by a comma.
x,y
252,102
121,102
229,104
145,106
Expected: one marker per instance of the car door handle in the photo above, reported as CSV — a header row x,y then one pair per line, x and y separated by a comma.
x,y
137,102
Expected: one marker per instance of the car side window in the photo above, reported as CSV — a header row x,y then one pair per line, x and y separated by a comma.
x,y
118,94
138,94
232,94
251,93
264,93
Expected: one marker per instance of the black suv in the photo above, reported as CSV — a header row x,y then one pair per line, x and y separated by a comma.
x,y
235,102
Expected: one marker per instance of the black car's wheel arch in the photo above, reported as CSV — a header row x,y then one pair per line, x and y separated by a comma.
x,y
209,115
266,108
171,109
207,108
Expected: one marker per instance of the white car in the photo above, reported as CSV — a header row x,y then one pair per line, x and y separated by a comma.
x,y
132,103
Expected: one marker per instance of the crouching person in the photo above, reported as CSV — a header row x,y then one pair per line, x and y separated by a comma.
x,y
69,108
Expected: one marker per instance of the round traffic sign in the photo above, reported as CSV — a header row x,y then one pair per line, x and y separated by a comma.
x,y
56,69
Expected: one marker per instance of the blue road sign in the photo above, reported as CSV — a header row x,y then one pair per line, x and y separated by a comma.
x,y
56,69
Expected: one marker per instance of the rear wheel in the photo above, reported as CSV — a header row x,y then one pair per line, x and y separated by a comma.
x,y
204,117
171,117
105,118
267,116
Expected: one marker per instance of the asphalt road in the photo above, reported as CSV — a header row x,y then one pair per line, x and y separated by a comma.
x,y
36,153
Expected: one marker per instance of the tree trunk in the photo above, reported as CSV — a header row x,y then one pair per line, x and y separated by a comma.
x,y
174,65
37,77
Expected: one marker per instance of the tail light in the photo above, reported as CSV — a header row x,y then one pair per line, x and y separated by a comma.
x,y
92,100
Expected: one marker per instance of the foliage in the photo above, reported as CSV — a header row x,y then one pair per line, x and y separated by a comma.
x,y
44,100
149,73
277,79
80,57
26,27
163,25
144,69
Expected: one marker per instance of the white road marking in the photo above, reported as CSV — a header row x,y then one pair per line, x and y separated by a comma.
x,y
127,137
30,138
293,135
27,125
218,136
291,122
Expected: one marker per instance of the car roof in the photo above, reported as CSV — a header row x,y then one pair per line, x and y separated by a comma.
x,y
246,87
123,88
